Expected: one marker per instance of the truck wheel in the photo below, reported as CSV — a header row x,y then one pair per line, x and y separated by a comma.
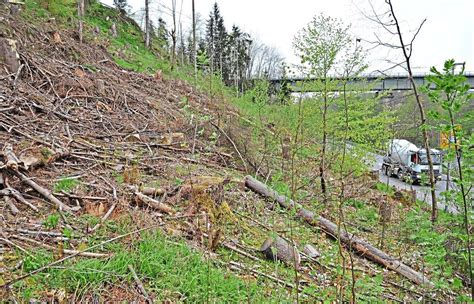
x,y
390,172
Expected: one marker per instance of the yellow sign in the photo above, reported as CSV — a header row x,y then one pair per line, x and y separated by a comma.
x,y
446,139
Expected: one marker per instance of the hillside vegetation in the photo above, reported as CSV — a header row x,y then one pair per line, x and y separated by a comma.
x,y
123,179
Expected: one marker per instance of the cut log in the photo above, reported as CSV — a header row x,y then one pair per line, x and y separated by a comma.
x,y
311,252
153,203
32,162
152,191
10,157
358,245
279,249
9,55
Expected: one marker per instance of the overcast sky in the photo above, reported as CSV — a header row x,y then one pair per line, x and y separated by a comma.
x,y
447,33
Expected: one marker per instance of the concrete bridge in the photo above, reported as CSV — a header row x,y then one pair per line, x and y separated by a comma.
x,y
375,83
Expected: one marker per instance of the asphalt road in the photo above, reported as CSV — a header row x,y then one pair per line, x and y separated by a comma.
x,y
423,193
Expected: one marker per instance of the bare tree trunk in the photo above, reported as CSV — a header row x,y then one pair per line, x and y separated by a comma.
x,y
181,38
342,223
80,15
407,55
323,151
173,36
194,41
147,23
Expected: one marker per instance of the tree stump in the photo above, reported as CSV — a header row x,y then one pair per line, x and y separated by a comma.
x,y
113,30
279,249
100,86
8,55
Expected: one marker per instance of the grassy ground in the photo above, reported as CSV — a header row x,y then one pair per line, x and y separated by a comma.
x,y
170,269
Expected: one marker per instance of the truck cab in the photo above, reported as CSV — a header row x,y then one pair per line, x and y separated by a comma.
x,y
409,162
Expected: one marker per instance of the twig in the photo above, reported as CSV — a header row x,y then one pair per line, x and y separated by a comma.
x,y
104,218
139,284
241,252
238,266
233,145
74,196
17,195
14,210
6,241
67,251
37,233
17,75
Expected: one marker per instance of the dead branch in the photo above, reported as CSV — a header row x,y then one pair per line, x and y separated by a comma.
x,y
363,248
13,209
241,252
104,218
43,191
241,267
139,284
233,145
18,197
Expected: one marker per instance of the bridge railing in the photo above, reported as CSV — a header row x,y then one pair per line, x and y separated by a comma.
x,y
376,83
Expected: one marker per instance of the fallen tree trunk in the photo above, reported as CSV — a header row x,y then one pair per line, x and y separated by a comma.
x,y
360,246
12,166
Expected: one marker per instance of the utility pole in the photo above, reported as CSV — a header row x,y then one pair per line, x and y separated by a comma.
x,y
194,42
147,23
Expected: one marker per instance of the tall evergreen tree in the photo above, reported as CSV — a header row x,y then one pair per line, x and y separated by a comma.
x,y
162,34
238,54
202,56
216,37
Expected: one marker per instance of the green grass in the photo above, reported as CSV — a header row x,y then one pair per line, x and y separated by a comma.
x,y
387,189
432,243
169,270
65,184
61,9
51,221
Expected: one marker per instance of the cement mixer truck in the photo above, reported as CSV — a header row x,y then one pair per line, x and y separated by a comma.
x,y
409,163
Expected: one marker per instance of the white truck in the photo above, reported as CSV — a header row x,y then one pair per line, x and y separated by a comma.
x,y
409,163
